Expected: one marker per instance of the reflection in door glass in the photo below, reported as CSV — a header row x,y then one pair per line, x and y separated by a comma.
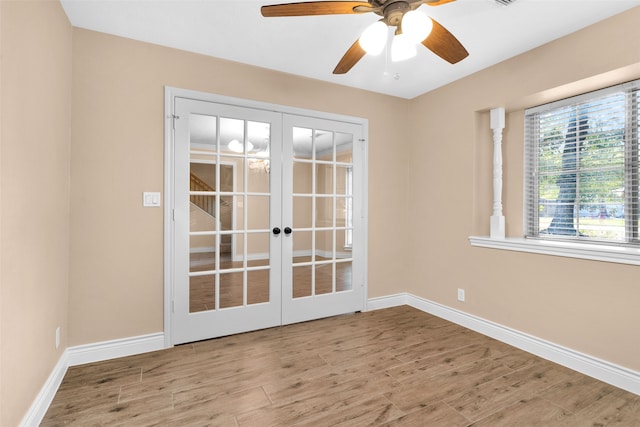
x,y
302,211
344,276
324,179
258,248
232,139
302,178
257,286
202,293
231,289
302,143
257,208
324,212
324,278
344,147
202,132
323,144
324,244
302,281
202,256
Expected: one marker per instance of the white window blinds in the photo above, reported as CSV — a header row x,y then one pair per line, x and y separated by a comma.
x,y
581,167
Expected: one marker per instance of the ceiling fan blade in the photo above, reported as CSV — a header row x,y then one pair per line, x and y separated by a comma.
x,y
437,2
316,8
353,55
444,44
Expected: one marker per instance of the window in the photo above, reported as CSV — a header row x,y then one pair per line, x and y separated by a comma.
x,y
581,166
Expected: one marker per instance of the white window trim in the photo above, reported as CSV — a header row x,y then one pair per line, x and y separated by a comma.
x,y
596,252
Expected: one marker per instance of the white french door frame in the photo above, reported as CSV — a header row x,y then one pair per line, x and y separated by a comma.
x,y
170,94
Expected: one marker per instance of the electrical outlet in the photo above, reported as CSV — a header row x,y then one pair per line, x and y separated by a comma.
x,y
461,295
58,337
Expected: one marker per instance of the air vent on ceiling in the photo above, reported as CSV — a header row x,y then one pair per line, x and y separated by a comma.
x,y
505,2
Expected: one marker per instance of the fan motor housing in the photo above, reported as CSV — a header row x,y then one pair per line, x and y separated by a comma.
x,y
394,10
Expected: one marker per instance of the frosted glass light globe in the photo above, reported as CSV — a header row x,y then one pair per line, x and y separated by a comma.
x,y
374,38
402,48
416,26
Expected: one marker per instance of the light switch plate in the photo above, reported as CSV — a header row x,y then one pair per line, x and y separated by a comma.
x,y
151,199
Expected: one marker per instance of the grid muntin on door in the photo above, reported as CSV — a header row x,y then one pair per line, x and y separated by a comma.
x,y
322,161
218,279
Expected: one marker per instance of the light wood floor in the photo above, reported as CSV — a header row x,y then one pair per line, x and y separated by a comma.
x,y
397,366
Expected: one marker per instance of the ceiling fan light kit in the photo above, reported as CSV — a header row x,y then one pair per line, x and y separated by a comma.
x,y
374,38
412,28
416,26
402,48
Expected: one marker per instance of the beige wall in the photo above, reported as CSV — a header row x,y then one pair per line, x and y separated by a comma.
x,y
34,202
117,153
584,305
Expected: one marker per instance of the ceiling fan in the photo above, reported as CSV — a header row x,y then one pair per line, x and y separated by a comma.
x,y
394,13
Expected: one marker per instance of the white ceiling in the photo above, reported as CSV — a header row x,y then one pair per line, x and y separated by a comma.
x,y
312,46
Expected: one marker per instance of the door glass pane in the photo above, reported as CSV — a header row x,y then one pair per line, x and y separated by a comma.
x,y
202,252
232,139
302,143
202,176
324,179
231,174
202,293
202,132
342,211
225,220
324,244
324,145
344,147
302,176
324,278
343,180
202,213
257,286
259,162
257,212
302,210
258,249
236,253
258,175
231,289
324,212
301,246
301,281
344,276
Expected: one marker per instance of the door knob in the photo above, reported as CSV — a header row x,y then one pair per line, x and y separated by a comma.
x,y
276,230
287,230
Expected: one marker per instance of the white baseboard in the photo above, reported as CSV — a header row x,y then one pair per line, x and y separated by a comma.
x,y
610,373
42,401
387,301
96,352
80,355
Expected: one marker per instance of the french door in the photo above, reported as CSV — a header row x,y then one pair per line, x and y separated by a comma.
x,y
267,222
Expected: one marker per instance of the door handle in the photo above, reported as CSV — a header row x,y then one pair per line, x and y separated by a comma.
x,y
287,230
276,230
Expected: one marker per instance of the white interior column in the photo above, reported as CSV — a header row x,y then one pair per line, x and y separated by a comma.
x,y
497,218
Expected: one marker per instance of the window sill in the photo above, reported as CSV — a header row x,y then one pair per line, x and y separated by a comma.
x,y
617,254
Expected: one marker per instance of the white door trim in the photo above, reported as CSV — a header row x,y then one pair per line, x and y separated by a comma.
x,y
170,93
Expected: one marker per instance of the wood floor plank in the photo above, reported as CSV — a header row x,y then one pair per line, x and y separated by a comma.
x,y
421,390
442,362
490,397
534,412
616,409
439,414
392,367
